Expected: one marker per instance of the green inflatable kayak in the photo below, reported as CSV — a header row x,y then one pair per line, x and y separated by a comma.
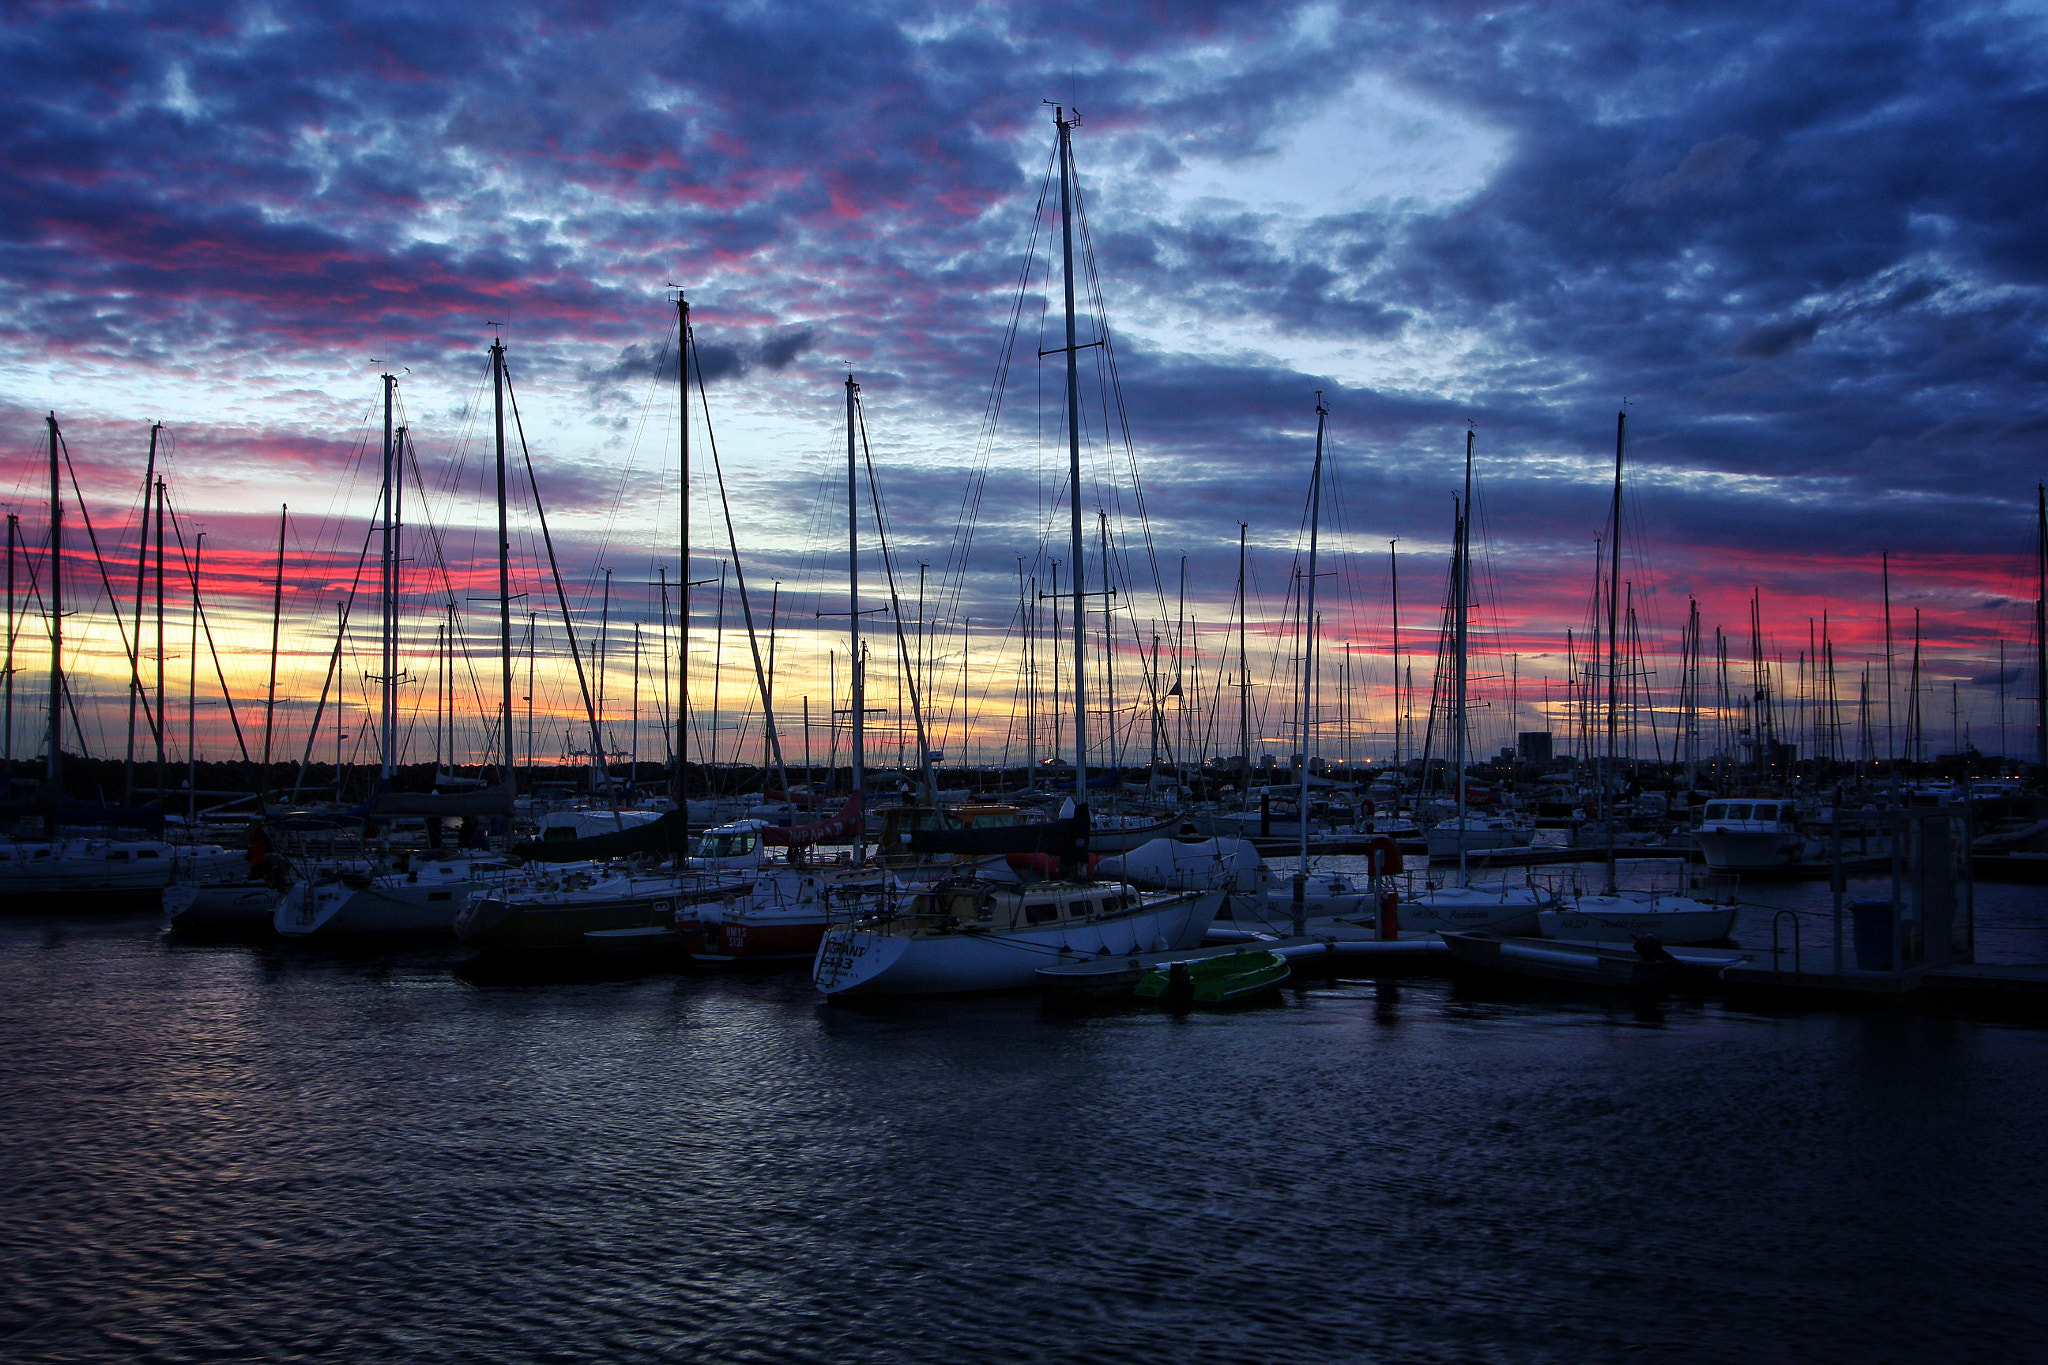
x,y
1213,980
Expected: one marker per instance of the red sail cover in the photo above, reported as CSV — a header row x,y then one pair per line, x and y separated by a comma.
x,y
838,829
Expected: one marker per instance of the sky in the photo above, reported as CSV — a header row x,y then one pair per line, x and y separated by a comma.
x,y
1805,246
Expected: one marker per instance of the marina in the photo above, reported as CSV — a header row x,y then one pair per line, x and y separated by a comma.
x,y
886,685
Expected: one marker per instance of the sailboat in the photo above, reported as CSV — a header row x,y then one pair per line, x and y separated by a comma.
x,y
975,935
1615,915
725,901
423,895
108,871
1463,906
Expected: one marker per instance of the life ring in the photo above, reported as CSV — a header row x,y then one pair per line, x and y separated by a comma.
x,y
1386,850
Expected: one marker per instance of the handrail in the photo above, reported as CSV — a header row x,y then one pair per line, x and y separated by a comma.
x,y
1796,964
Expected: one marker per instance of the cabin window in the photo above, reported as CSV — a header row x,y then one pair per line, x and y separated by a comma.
x,y
1738,813
440,895
1039,912
118,857
727,845
1715,813
557,834
1766,812
146,853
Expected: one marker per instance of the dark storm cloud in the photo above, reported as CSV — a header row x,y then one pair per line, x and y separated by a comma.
x,y
1806,243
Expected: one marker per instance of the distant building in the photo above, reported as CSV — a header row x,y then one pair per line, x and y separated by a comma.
x,y
1533,746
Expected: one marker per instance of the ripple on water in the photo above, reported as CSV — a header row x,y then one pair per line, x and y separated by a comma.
x,y
266,1151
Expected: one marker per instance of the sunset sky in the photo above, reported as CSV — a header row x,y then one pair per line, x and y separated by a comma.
x,y
1807,245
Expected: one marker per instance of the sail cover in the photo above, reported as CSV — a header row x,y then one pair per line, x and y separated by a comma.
x,y
838,829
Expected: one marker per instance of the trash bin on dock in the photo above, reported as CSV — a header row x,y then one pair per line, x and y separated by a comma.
x,y
1873,935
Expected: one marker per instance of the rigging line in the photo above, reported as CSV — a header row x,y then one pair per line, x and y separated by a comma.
x,y
954,576
554,569
774,732
1117,389
333,669
100,562
206,625
895,603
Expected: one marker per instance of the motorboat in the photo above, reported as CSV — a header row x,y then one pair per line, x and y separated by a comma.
x,y
1738,836
419,896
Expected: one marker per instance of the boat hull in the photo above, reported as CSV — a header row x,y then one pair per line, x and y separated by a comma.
x,y
222,905
1621,919
860,960
1737,850
1474,909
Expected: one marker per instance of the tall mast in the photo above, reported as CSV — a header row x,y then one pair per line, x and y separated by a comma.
x,y
276,621
1244,676
135,642
858,717
1461,592
387,733
163,717
680,790
1613,639
1394,585
504,566
13,536
1079,565
1308,665
2041,625
55,768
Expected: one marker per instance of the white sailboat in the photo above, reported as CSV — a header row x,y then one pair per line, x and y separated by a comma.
x,y
975,935
420,896
1462,906
1616,915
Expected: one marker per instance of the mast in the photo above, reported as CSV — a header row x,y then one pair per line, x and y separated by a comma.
x,y
276,622
54,771
859,680
1461,592
135,647
13,536
2041,625
1394,584
1613,640
387,733
163,717
680,788
504,566
1308,665
192,699
1244,677
1079,566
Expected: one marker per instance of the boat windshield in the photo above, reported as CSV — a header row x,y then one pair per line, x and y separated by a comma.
x,y
1716,813
1738,812
1766,812
727,845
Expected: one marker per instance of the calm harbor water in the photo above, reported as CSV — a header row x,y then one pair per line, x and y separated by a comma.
x,y
236,1151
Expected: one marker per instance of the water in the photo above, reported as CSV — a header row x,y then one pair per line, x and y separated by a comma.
x,y
280,1151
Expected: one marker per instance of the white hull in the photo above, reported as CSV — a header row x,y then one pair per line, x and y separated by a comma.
x,y
1733,850
221,905
1445,843
1618,919
854,959
423,901
88,866
1509,910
